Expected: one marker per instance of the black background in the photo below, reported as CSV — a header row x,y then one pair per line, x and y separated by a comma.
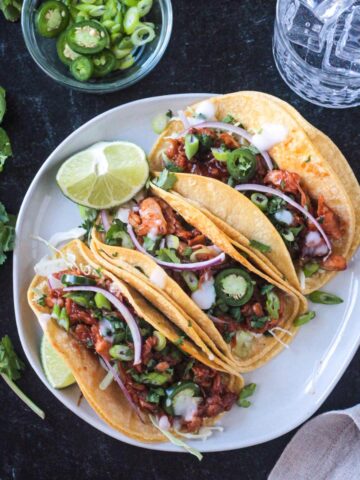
x,y
215,47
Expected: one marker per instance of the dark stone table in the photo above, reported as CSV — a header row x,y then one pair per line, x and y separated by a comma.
x,y
215,47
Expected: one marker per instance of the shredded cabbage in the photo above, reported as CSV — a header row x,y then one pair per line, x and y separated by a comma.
x,y
107,380
176,441
204,433
62,237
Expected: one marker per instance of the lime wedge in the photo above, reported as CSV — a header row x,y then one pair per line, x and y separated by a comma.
x,y
57,372
104,175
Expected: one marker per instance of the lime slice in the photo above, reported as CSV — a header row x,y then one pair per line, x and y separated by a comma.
x,y
105,175
57,372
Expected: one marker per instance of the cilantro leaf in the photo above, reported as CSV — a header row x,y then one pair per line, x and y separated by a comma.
x,y
7,233
118,236
10,370
167,255
10,363
2,99
149,244
229,119
166,180
5,148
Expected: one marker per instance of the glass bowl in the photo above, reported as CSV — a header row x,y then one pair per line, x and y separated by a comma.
x,y
43,51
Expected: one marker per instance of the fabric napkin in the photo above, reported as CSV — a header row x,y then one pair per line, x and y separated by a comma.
x,y
326,448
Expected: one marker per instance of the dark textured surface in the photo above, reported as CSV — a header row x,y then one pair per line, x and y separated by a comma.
x,y
216,47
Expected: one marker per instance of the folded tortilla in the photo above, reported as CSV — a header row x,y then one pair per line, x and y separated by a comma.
x,y
327,174
110,404
129,264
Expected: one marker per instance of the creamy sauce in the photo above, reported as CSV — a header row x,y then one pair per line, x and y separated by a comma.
x,y
284,216
204,297
158,277
205,112
186,406
206,109
270,135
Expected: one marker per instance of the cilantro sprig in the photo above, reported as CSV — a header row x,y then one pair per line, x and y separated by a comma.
x,y
5,146
166,180
7,233
10,370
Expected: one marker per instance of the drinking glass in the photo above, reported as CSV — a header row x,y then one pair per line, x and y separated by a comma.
x,y
316,49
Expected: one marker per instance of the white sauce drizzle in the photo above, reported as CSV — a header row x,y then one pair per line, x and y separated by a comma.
x,y
158,277
205,112
284,216
205,296
186,406
270,135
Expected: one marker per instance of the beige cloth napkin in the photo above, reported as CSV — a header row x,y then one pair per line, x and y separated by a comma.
x,y
326,448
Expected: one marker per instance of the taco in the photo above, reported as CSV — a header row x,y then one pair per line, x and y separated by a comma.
x,y
292,200
246,313
97,322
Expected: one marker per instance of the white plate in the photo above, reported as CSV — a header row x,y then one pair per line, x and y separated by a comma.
x,y
290,388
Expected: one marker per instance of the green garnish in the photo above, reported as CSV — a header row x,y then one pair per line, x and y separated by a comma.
x,y
273,304
308,159
88,215
167,255
304,318
260,246
310,268
11,10
10,370
228,119
117,235
325,298
7,233
154,378
159,122
5,146
191,145
154,395
149,244
41,301
166,180
259,322
245,393
179,341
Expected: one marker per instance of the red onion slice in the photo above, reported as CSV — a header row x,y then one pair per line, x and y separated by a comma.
x,y
233,129
105,220
128,317
217,320
176,266
272,191
118,380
